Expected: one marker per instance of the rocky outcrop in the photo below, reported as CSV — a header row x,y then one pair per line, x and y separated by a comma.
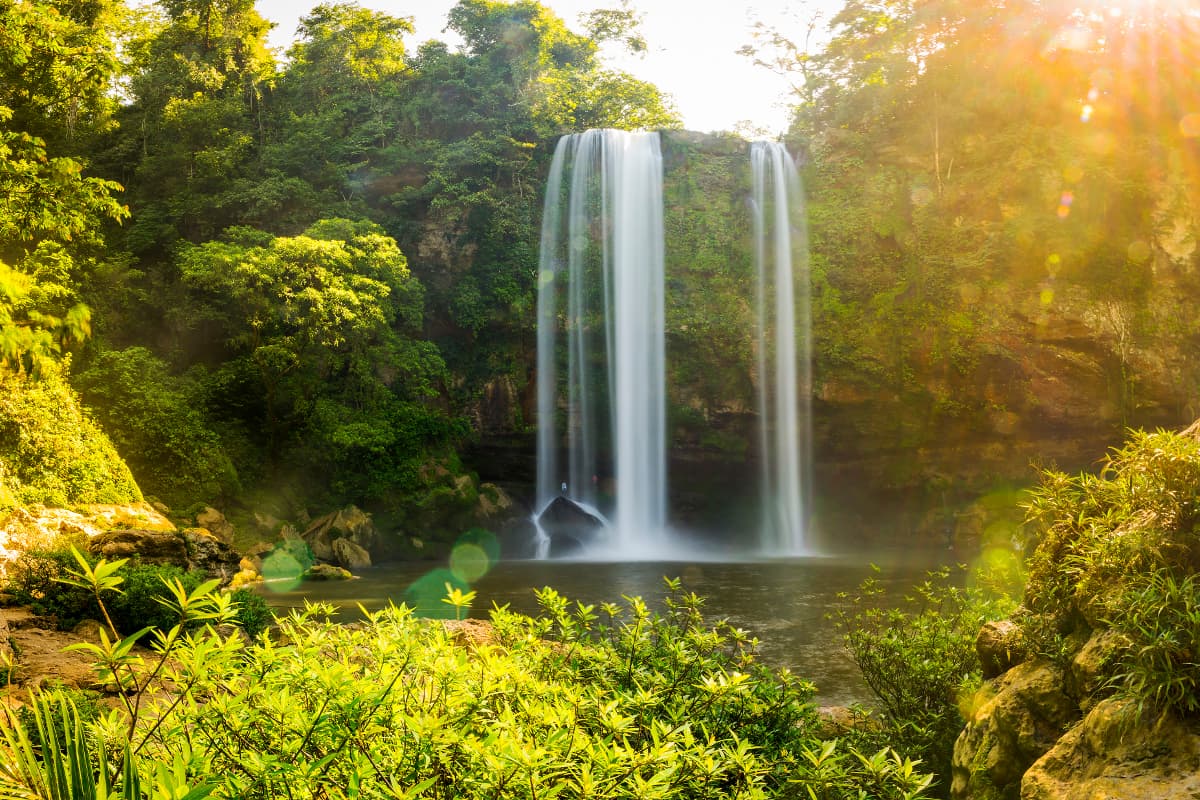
x,y
1012,724
1088,670
1114,753
1039,732
134,531
40,526
499,406
215,523
494,503
210,554
190,549
150,547
344,537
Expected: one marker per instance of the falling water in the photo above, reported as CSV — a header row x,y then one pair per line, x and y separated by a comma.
x,y
604,263
784,369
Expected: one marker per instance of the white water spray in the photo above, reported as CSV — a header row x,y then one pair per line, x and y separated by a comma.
x,y
784,366
604,263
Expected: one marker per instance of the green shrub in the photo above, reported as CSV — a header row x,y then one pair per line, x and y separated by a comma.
x,y
919,658
36,579
139,605
153,419
1120,550
51,451
614,702
836,772
254,615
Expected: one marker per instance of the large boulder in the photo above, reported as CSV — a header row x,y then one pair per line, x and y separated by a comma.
x,y
1000,647
210,554
1115,753
214,521
326,572
349,555
569,527
350,523
1013,723
191,549
151,547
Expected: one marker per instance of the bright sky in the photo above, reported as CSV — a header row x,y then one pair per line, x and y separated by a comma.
x,y
693,49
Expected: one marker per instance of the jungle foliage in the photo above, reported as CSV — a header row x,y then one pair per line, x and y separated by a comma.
x,y
917,654
321,260
980,178
608,702
1117,552
51,450
989,179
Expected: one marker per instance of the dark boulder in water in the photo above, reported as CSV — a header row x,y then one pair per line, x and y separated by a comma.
x,y
570,528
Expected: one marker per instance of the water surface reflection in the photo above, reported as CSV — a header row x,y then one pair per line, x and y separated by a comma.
x,y
785,603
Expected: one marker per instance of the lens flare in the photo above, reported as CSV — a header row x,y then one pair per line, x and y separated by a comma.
x,y
1064,204
468,562
281,571
424,595
1138,252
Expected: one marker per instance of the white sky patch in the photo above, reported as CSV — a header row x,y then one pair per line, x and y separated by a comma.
x,y
692,57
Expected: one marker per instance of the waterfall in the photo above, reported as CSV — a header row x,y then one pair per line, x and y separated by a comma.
x,y
784,368
600,283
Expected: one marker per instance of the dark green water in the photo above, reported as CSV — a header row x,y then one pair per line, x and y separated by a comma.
x,y
785,603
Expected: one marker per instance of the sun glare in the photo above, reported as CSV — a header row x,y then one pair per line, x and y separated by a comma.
x,y
1134,8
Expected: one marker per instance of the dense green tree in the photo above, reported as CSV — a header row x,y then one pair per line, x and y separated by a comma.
x,y
58,66
157,426
55,77
963,157
319,330
199,76
336,108
243,335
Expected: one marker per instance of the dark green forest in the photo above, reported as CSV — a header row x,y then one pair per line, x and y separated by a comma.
x,y
311,274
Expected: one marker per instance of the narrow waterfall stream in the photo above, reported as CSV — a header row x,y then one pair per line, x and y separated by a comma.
x,y
600,284
784,350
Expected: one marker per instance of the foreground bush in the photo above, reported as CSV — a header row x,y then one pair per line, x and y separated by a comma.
x,y
1120,551
918,656
578,702
41,579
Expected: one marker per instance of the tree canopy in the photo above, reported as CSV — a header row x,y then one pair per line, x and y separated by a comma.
x,y
315,268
